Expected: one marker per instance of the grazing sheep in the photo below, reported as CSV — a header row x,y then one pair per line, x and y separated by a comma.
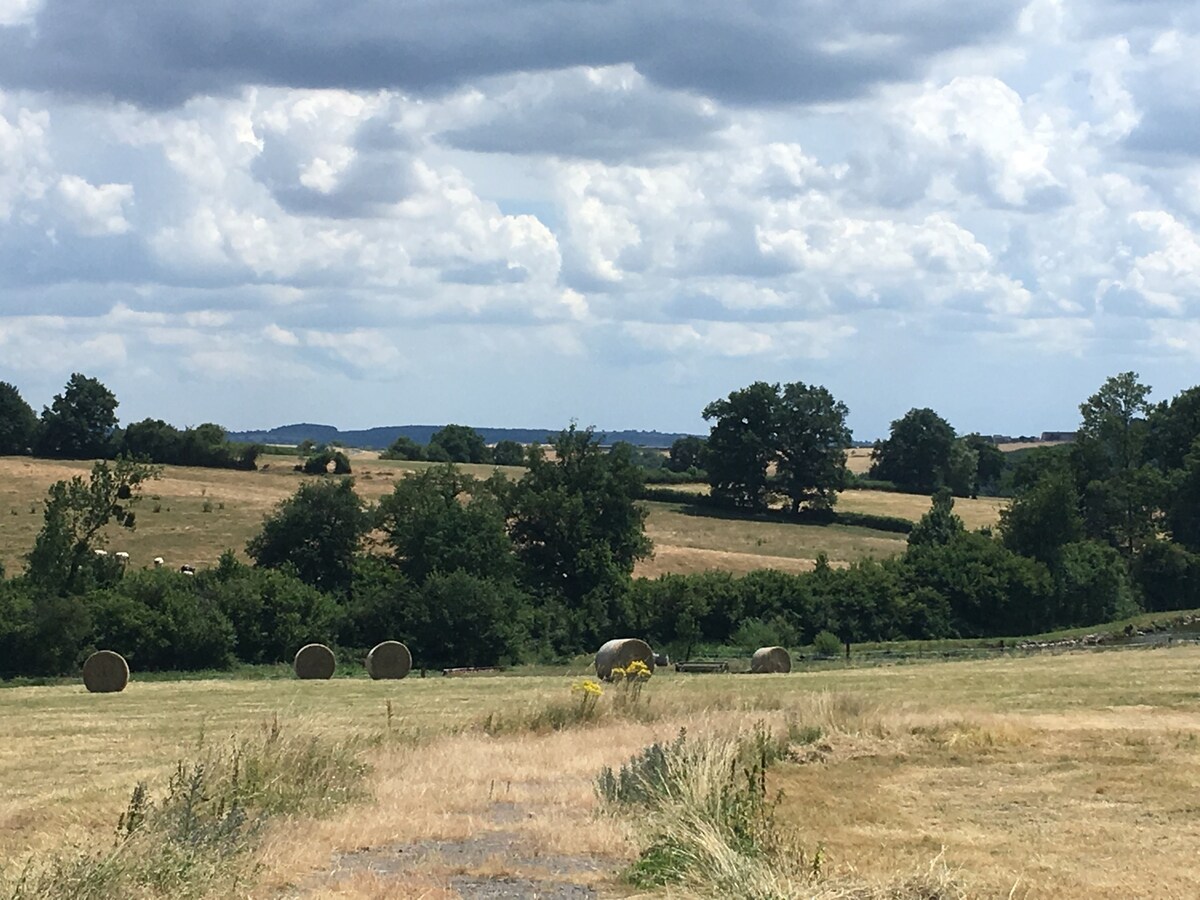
x,y
100,552
122,556
158,562
188,570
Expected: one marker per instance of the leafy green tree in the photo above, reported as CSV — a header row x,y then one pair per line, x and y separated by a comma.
x,y
987,589
917,454
153,440
462,620
76,513
1030,465
1125,508
800,429
940,525
382,605
441,520
1167,575
990,463
643,457
739,448
160,623
961,475
403,448
18,424
316,532
273,613
671,610
686,453
810,442
1091,585
865,604
578,531
324,457
436,453
461,443
1114,429
1183,505
1043,518
508,453
1172,428
79,422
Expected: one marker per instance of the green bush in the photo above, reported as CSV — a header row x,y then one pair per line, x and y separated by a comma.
x,y
157,621
272,612
827,644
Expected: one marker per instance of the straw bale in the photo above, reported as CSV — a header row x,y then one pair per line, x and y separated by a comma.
x,y
314,661
389,659
105,672
771,660
619,653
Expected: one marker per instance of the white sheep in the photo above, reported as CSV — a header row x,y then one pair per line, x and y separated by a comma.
x,y
158,562
122,556
100,552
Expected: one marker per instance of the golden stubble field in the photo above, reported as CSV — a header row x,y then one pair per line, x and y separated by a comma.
x,y
1067,776
191,515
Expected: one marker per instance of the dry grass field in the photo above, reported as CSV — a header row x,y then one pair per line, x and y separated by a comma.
x,y
685,541
1068,776
977,513
858,460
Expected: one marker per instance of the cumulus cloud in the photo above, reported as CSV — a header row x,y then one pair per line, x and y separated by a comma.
x,y
94,209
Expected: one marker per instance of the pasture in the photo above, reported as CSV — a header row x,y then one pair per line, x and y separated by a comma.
x,y
1046,776
192,515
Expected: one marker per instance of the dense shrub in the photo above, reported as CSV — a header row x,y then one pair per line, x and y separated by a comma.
x,y
158,620
1167,576
461,620
272,612
827,644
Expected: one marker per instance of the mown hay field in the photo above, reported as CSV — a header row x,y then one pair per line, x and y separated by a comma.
x,y
1048,776
192,515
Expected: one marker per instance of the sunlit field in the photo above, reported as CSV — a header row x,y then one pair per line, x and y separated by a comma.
x,y
1039,776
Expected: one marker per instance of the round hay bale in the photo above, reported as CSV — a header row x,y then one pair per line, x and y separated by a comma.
x,y
619,653
105,672
314,661
771,659
389,659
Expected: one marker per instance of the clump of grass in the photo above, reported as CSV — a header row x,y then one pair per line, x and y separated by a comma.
x,y
583,707
710,822
709,825
196,837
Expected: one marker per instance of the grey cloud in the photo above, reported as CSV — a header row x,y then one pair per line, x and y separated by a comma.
x,y
159,54
1167,128
578,117
379,176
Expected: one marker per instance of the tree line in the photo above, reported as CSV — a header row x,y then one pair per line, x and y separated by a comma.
x,y
81,423
475,571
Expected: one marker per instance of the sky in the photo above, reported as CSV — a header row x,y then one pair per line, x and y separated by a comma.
x,y
528,212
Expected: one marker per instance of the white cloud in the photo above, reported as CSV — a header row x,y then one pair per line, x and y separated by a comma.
x,y
94,209
18,12
24,156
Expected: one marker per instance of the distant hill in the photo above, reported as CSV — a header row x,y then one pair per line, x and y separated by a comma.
x,y
382,437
